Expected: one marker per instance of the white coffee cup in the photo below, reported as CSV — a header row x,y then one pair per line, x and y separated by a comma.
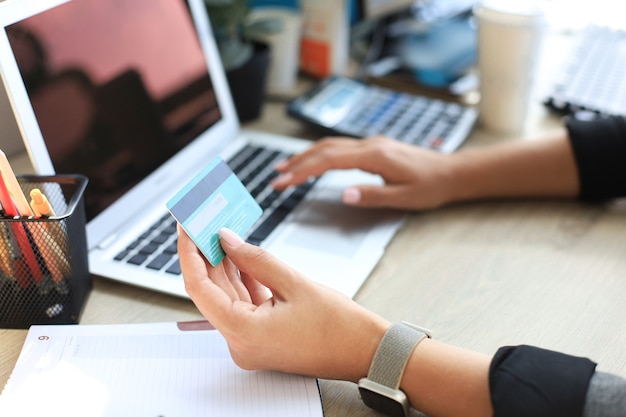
x,y
284,48
510,34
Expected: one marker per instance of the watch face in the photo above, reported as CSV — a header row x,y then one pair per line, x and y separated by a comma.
x,y
384,399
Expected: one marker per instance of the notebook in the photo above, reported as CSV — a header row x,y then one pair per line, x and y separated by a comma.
x,y
146,369
132,94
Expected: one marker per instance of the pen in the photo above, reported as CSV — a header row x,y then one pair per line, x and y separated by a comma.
x,y
40,204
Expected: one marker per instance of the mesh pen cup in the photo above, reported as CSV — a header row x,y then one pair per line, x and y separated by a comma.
x,y
44,272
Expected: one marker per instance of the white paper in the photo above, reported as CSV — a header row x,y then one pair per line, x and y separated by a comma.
x,y
151,370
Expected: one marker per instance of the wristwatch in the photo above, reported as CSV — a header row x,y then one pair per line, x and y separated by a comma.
x,y
380,389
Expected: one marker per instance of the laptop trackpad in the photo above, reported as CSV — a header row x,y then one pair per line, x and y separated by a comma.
x,y
330,226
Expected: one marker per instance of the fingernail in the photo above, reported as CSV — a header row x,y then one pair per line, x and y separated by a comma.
x,y
280,165
282,179
231,238
351,195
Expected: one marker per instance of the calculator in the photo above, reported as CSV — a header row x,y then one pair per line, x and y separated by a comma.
x,y
349,107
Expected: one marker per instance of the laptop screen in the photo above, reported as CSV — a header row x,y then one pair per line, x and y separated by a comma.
x,y
117,88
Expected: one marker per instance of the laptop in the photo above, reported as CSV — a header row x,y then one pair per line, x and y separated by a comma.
x,y
132,94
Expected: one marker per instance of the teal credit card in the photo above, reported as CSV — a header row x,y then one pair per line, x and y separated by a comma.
x,y
213,199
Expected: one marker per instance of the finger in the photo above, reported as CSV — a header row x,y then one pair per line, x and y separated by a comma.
x,y
219,275
210,299
261,265
243,294
224,275
335,153
373,196
259,293
312,150
192,258
338,153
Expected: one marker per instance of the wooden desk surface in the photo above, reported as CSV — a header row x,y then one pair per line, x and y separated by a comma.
x,y
480,275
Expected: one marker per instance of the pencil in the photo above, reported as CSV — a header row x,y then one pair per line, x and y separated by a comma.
x,y
19,199
55,241
15,204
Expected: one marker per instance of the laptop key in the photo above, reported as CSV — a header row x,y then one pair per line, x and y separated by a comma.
x,y
123,254
160,238
149,249
170,229
137,259
269,200
268,225
171,248
159,261
174,268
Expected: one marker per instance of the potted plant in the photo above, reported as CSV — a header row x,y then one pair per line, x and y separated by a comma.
x,y
245,60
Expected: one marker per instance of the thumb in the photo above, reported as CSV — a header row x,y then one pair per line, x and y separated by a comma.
x,y
258,264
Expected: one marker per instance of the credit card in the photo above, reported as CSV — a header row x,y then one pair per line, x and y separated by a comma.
x,y
213,199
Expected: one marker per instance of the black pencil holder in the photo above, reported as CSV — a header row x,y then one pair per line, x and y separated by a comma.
x,y
44,272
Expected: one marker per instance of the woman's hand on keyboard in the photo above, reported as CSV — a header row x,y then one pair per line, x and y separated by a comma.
x,y
415,178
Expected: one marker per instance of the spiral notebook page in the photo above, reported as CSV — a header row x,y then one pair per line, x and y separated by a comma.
x,y
152,370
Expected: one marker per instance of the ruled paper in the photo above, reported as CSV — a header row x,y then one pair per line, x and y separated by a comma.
x,y
151,370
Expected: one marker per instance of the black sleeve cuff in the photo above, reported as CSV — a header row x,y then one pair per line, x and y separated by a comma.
x,y
600,151
527,381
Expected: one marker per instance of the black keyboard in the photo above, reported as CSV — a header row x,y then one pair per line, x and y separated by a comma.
x,y
592,80
156,248
255,168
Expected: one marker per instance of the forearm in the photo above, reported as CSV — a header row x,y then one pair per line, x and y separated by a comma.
x,y
444,380
542,167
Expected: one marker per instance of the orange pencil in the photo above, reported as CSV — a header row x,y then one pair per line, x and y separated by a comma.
x,y
21,240
21,207
42,208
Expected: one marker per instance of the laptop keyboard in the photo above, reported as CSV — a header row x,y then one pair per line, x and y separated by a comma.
x,y
156,248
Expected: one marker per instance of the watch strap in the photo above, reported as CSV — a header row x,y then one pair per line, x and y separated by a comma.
x,y
393,353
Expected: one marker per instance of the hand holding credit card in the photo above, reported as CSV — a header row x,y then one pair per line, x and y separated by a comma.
x,y
213,199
